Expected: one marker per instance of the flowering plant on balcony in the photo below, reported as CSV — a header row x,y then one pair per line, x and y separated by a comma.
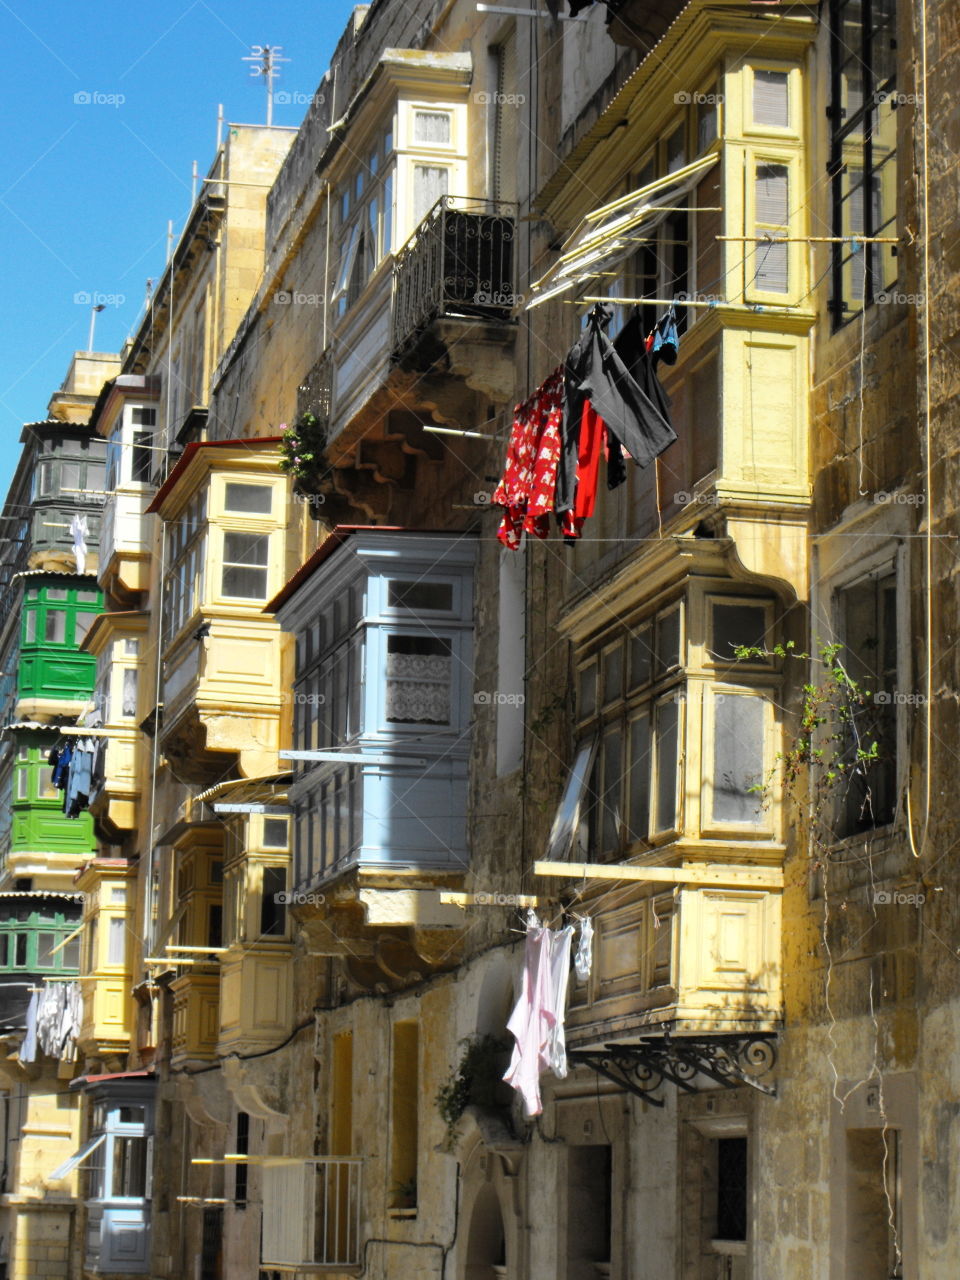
x,y
302,449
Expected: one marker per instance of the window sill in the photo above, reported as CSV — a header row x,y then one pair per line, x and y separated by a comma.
x,y
402,1213
730,1248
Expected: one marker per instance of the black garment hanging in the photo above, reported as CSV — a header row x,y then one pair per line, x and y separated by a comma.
x,y
631,347
637,418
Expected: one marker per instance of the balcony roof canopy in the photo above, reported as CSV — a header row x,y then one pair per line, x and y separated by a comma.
x,y
609,235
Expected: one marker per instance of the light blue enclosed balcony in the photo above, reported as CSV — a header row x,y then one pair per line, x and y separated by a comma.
x,y
382,700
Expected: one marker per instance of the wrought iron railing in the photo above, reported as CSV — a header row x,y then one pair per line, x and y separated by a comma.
x,y
311,1212
459,262
314,392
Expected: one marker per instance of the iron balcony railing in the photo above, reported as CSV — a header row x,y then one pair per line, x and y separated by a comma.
x,y
459,262
311,1212
315,391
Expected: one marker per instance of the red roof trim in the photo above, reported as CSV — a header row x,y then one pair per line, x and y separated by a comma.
x,y
326,549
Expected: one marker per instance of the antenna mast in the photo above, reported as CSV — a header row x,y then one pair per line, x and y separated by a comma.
x,y
266,58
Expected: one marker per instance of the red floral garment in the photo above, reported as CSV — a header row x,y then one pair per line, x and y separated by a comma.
x,y
529,479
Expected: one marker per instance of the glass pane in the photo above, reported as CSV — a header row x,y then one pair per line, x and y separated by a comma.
x,y
130,691
140,456
613,674
255,498
433,596
587,699
116,940
71,954
662,944
432,127
770,98
611,805
272,897
88,597
707,121
56,593
737,757
45,944
20,949
668,727
55,627
430,182
638,779
141,416
275,833
567,819
247,584
419,670
30,626
668,641
82,625
129,1173
676,150
735,625
70,478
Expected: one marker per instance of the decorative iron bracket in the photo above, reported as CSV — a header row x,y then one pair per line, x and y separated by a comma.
x,y
728,1060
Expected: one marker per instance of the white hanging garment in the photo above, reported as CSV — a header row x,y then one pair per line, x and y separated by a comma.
x,y
583,960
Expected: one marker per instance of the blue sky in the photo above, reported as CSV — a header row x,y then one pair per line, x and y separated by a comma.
x,y
88,186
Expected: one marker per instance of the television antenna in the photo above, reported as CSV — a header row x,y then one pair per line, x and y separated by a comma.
x,y
266,58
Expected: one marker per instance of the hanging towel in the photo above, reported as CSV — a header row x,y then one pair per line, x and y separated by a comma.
x,y
28,1050
78,531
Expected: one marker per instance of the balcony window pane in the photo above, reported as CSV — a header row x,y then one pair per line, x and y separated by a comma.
x,y
130,691
45,944
432,597
71,954
638,779
587,698
737,757
44,477
140,456
129,1174
20,949
611,806
245,557
431,127
641,658
735,625
388,213
55,626
30,627
771,98
141,416
82,625
676,150
274,833
254,498
430,182
23,781
613,675
668,641
419,670
116,940
668,725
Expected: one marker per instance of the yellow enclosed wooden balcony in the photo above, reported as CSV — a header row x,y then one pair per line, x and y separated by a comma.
x,y
109,889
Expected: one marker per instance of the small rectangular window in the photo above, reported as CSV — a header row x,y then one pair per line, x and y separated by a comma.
x,y
129,1173
253,499
587,698
418,684
668,736
273,911
4,949
141,456
676,150
245,559
566,822
70,478
771,101
88,597
44,478
737,757
420,597
71,954
55,626
432,127
20,950
215,925
116,940
129,703
772,210
82,624
141,416
243,1148
56,593
131,648
274,833
23,782
611,808
45,944
30,626
736,626
707,121
430,183
668,641
613,674
638,779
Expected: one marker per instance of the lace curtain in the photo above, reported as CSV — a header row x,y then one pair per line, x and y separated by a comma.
x,y
418,688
